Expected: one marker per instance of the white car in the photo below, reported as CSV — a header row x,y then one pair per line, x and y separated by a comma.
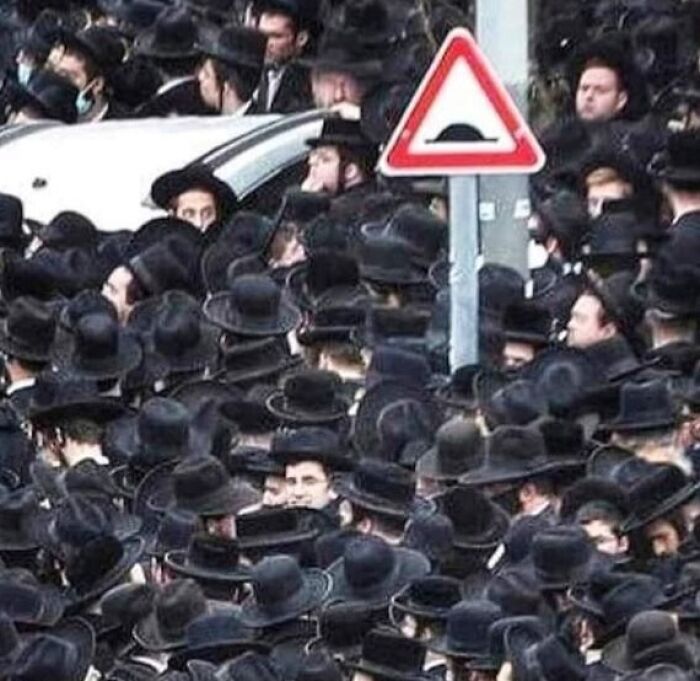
x,y
105,170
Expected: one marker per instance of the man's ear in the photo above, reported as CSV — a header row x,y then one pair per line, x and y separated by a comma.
x,y
99,85
351,172
622,100
302,39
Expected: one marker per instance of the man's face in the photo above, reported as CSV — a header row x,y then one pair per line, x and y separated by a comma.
x,y
274,492
598,194
209,86
331,87
308,485
72,67
196,206
604,537
324,171
516,355
585,328
115,290
663,538
599,96
282,43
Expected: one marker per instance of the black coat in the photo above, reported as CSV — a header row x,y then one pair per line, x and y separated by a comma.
x,y
183,99
293,94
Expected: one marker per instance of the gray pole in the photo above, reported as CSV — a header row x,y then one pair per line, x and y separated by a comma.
x,y
502,33
464,248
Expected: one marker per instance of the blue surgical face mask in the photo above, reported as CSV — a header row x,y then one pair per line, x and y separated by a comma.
x,y
24,73
84,102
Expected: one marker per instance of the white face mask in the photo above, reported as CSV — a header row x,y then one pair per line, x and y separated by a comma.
x,y
24,73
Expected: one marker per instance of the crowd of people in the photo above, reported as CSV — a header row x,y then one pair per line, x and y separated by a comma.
x,y
232,447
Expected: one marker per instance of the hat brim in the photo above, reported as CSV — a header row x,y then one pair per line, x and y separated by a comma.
x,y
178,562
147,46
10,347
614,654
221,503
220,312
635,521
409,565
379,275
128,357
280,407
245,376
428,465
78,632
441,645
217,653
378,671
197,358
316,587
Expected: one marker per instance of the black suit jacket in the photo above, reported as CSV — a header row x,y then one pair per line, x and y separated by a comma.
x,y
293,94
183,99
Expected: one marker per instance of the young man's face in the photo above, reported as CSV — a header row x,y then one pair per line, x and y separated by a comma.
x,y
324,171
115,290
74,68
599,96
209,86
585,326
517,354
308,485
283,41
274,491
196,206
605,538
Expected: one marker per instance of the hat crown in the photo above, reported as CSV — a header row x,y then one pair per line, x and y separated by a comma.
x,y
209,551
128,603
645,401
9,638
178,604
435,591
306,442
515,444
468,625
560,550
459,439
256,296
386,253
470,511
276,579
96,337
176,29
368,561
163,421
46,657
636,593
176,529
244,42
312,388
650,628
223,625
198,476
658,485
387,648
344,623
30,322
385,480
176,331
79,521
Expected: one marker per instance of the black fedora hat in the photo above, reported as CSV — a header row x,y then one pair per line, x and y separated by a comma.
x,y
561,557
174,531
527,322
161,229
381,487
545,659
406,428
459,447
678,161
565,442
282,592
514,588
216,637
98,350
478,522
178,604
310,443
466,633
196,176
387,260
341,132
236,46
65,653
181,340
404,327
652,637
133,15
618,465
342,626
386,654
21,518
309,396
512,453
68,229
249,411
52,95
209,558
102,45
28,330
419,228
661,491
647,405
371,570
250,361
671,290
612,239
173,35
201,484
289,531
458,392
28,602
123,606
429,598
517,403
56,397
336,322
592,489
253,306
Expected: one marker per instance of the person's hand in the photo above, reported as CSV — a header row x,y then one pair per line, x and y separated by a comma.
x,y
350,112
311,184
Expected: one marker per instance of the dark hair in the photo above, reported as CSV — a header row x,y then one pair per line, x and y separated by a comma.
x,y
364,160
134,291
293,20
32,366
600,511
83,430
92,68
243,79
384,523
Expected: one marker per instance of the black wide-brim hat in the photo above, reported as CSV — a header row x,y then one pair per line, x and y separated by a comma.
x,y
133,549
339,60
173,183
376,671
195,358
279,406
180,563
315,589
345,486
98,409
220,311
265,361
217,653
408,565
621,424
25,604
342,133
13,347
635,521
126,359
28,538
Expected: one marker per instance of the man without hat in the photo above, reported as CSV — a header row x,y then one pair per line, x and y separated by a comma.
x,y
285,84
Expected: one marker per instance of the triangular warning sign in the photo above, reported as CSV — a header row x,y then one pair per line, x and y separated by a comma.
x,y
461,120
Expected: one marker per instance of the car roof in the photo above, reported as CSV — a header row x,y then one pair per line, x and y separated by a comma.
x,y
54,167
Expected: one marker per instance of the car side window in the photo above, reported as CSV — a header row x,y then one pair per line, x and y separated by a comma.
x,y
266,198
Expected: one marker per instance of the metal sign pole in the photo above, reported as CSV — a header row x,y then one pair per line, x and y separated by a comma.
x,y
464,284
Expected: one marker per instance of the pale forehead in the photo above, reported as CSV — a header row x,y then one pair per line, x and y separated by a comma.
x,y
602,76
196,197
